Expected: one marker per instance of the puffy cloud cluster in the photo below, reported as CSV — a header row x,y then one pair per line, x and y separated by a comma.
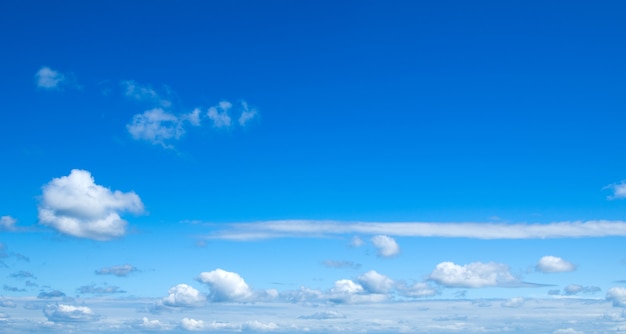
x,y
371,287
473,275
226,286
191,324
183,295
119,271
77,206
554,264
374,282
385,245
69,313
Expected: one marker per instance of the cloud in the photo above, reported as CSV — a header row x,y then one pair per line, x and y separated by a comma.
x,y
225,286
143,93
48,78
417,290
99,290
356,242
146,323
12,288
324,315
119,271
219,114
6,302
346,291
76,206
191,324
488,231
374,282
156,126
7,223
183,295
574,289
69,313
385,245
247,114
341,264
515,302
50,294
567,331
617,295
618,189
22,275
473,275
553,264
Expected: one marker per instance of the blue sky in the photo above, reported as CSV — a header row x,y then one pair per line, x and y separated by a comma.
x,y
352,166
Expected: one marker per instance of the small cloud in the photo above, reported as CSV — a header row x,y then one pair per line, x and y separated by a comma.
x,y
7,223
356,242
22,275
419,290
247,114
341,264
226,286
148,324
75,205
513,302
99,290
553,264
574,289
183,295
374,282
554,292
219,114
618,189
143,93
156,126
385,245
12,288
191,324
119,271
473,275
6,302
617,295
69,313
324,315
48,78
50,294
567,331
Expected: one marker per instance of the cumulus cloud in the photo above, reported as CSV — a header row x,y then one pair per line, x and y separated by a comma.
x,y
76,206
48,78
156,126
374,282
473,275
219,114
617,296
69,313
225,286
324,315
146,323
554,264
618,189
346,291
183,295
385,245
99,290
7,223
324,228
191,324
119,271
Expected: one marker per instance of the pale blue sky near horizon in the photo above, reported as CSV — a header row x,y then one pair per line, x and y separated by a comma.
x,y
280,141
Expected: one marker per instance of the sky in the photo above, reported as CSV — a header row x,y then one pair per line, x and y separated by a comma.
x,y
319,167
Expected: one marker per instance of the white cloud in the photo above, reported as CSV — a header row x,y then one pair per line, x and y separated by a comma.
x,y
567,331
48,78
356,242
192,324
618,189
143,93
156,126
473,275
417,290
617,295
554,264
574,289
513,302
347,286
324,315
219,114
346,291
7,302
193,117
247,114
324,228
385,245
374,282
119,271
183,295
226,286
69,313
146,323
76,206
7,223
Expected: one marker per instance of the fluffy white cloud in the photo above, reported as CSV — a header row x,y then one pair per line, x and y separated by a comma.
x,y
119,271
183,295
247,114
76,206
554,264
385,245
192,324
156,126
7,223
69,313
473,275
48,78
324,228
219,114
226,286
618,189
146,323
374,282
346,291
617,295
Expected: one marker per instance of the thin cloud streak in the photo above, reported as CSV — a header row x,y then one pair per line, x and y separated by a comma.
x,y
321,229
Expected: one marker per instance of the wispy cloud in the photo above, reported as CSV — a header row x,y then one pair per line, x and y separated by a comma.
x,y
341,264
143,93
618,189
49,79
324,228
119,271
77,206
7,223
99,290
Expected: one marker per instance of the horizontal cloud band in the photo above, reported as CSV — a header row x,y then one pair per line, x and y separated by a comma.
x,y
313,228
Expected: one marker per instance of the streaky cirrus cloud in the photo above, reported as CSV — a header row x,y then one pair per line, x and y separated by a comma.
x,y
554,264
75,205
473,275
488,231
7,223
119,271
183,295
226,286
386,246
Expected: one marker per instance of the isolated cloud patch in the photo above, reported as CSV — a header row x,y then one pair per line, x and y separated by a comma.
x,y
341,264
473,275
155,126
119,271
144,93
76,206
346,291
48,78
554,264
617,296
7,223
50,294
373,282
385,245
226,286
99,290
618,189
324,315
183,295
191,324
69,313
